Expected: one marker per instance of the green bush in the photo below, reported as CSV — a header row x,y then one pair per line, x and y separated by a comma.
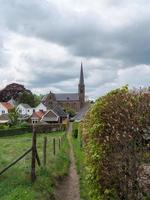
x,y
75,129
4,126
112,134
14,131
75,133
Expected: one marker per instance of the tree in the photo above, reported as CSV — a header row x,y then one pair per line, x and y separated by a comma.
x,y
70,111
13,116
26,98
37,99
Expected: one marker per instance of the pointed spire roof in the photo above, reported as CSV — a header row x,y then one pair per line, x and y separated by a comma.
x,y
81,76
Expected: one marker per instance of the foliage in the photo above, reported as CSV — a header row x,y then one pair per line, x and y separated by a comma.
x,y
32,99
4,126
113,133
75,129
70,111
37,99
27,98
13,117
80,163
11,131
23,124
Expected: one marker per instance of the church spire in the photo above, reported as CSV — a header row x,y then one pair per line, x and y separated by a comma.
x,y
81,76
81,88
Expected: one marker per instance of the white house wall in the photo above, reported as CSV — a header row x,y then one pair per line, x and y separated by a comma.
x,y
41,107
24,111
3,110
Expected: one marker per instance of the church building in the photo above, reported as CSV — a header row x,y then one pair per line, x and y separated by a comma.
x,y
75,101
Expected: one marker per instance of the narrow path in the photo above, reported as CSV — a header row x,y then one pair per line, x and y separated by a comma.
x,y
68,189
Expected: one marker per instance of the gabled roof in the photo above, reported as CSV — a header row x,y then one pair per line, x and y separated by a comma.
x,y
7,105
67,96
59,111
81,114
25,105
64,97
38,114
50,116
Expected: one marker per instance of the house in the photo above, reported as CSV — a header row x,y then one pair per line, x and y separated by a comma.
x,y
41,107
5,107
12,102
4,119
54,115
24,109
37,116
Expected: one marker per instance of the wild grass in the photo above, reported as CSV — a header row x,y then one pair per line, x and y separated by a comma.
x,y
15,184
81,168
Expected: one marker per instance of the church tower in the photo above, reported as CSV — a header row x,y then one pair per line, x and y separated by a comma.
x,y
81,88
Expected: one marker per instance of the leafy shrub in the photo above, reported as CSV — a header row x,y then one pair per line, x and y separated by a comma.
x,y
23,124
75,133
14,131
112,133
75,130
4,126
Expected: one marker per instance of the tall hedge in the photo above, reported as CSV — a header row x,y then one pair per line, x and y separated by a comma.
x,y
113,133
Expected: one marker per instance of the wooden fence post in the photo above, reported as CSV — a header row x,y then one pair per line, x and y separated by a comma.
x,y
33,174
38,159
59,143
54,146
44,150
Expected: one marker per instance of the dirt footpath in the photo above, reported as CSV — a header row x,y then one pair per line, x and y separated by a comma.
x,y
68,189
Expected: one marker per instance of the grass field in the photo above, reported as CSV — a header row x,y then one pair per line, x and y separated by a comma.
x,y
15,184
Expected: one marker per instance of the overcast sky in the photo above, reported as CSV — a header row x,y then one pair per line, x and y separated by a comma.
x,y
42,43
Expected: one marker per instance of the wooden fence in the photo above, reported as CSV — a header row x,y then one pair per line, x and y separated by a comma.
x,y
35,157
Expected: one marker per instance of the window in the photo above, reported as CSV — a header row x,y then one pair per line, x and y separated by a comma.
x,y
3,111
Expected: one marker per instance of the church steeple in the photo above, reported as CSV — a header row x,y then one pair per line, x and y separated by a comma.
x,y
81,76
81,88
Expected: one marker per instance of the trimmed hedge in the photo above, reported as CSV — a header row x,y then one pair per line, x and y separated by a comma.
x,y
39,129
112,133
14,131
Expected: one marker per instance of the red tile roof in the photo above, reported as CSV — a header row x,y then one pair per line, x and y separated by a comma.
x,y
7,105
38,114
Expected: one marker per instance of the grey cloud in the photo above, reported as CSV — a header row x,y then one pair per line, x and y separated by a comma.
x,y
84,34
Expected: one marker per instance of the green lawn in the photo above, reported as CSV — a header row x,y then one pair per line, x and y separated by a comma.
x,y
15,184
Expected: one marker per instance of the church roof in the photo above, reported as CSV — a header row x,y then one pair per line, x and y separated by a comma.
x,y
82,112
59,111
67,96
